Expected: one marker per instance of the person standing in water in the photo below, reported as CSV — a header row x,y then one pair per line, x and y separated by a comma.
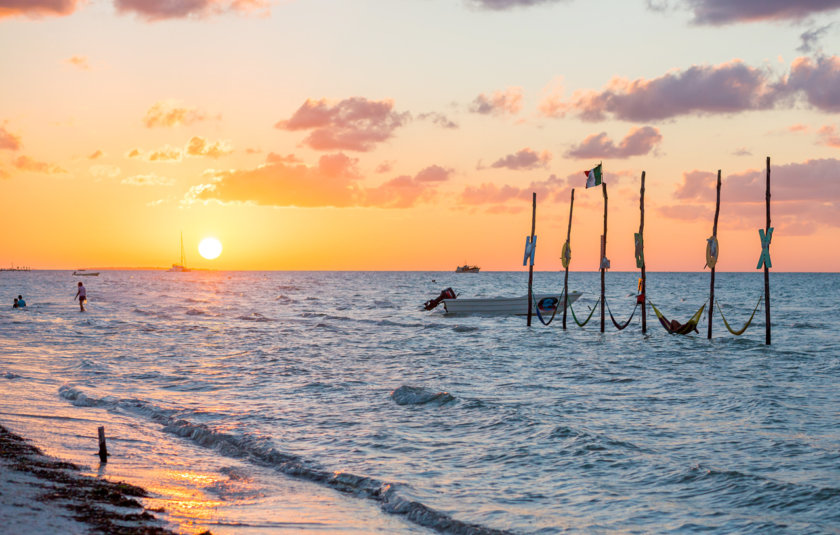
x,y
21,302
82,295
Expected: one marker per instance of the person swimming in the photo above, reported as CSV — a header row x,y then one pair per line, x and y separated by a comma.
x,y
20,302
16,303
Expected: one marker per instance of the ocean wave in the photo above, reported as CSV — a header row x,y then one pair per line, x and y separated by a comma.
x,y
260,451
417,395
254,316
10,375
195,312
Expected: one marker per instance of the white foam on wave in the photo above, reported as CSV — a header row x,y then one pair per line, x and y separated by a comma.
x,y
261,451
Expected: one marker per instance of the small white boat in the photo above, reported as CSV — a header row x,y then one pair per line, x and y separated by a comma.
x,y
466,268
546,302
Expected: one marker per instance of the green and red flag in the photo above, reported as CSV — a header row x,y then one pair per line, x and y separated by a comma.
x,y
593,176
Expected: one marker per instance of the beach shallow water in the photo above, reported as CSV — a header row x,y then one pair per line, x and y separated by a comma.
x,y
258,402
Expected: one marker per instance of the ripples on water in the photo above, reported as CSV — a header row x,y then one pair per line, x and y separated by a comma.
x,y
473,424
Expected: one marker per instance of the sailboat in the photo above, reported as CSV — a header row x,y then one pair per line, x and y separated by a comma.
x,y
182,266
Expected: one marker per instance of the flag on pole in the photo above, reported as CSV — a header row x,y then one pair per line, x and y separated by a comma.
x,y
593,176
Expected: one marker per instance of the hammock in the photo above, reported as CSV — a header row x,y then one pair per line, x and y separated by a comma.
x,y
690,325
744,328
624,325
592,311
537,308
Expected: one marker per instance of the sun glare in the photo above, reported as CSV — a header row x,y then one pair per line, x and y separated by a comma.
x,y
210,248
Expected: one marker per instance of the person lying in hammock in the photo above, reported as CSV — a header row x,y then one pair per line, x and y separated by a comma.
x,y
676,326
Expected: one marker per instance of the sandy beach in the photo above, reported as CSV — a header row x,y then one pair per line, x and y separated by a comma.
x,y
42,494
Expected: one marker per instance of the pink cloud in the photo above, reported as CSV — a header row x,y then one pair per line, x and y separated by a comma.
x,y
523,160
438,119
704,90
637,142
79,61
170,114
798,128
508,101
804,194
719,12
728,88
25,163
335,181
277,158
96,154
552,188
830,136
433,173
37,8
818,80
155,10
352,124
502,5
8,141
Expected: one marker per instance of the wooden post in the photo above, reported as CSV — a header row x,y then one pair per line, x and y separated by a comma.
x,y
642,237
566,278
531,269
103,451
714,235
766,268
603,254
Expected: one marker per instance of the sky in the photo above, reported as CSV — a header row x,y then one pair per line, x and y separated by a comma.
x,y
411,134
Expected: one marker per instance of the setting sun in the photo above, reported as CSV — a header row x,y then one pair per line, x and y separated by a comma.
x,y
210,248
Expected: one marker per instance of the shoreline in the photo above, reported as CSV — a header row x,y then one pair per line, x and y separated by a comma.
x,y
42,494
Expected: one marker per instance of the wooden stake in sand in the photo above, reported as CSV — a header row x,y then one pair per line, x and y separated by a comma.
x,y
103,450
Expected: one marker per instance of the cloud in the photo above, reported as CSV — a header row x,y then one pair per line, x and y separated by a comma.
x,y
37,8
169,114
741,151
148,180
155,10
503,5
438,119
728,88
198,146
25,163
523,160
811,39
551,188
96,154
80,62
829,136
637,142
355,123
433,173
720,12
804,195
508,101
818,80
277,158
334,182
8,141
166,154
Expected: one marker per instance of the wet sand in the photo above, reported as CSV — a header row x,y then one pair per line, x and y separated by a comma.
x,y
41,494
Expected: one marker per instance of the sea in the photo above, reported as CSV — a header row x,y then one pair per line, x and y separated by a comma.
x,y
324,402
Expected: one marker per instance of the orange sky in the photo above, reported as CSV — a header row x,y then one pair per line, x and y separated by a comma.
x,y
409,135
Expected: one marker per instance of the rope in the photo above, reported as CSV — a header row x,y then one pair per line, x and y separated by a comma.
x,y
592,311
537,308
626,323
689,326
749,321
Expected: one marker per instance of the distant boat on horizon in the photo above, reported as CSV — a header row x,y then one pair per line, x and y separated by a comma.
x,y
181,267
83,273
16,268
466,268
